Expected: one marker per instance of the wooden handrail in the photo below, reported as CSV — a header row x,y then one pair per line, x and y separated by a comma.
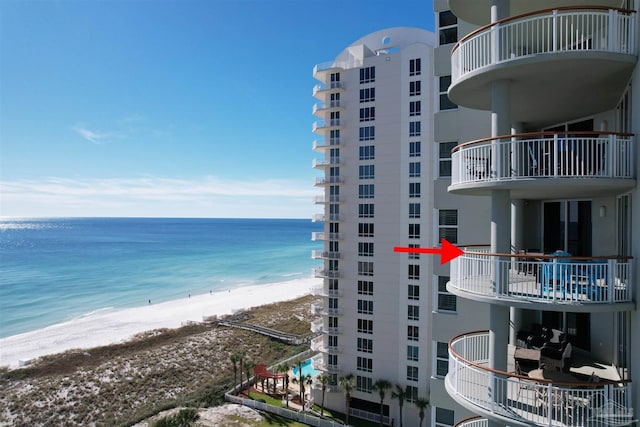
x,y
547,256
538,134
473,417
510,375
537,12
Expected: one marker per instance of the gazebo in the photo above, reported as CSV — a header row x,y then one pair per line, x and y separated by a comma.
x,y
262,373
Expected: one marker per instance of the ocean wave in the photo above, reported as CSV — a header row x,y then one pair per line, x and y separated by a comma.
x,y
93,313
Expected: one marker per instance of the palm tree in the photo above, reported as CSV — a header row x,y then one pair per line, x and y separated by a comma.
x,y
301,382
308,380
381,386
235,358
283,368
248,370
324,380
422,404
241,355
400,394
347,386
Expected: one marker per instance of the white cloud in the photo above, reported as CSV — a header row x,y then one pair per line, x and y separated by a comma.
x,y
94,136
157,197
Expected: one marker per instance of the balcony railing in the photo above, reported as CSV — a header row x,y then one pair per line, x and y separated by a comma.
x,y
315,254
324,180
319,235
320,87
321,144
332,198
325,105
331,161
549,279
544,155
520,398
565,29
326,274
473,422
317,325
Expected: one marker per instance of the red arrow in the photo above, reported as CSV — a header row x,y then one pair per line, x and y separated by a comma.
x,y
447,252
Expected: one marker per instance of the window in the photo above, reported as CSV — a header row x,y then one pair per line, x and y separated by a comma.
x,y
414,67
334,119
334,100
414,231
368,94
412,373
365,229
334,155
415,88
414,271
414,169
365,210
442,359
333,304
365,268
365,307
448,225
448,27
365,326
413,292
445,102
365,345
446,301
367,152
334,137
334,247
413,255
412,393
365,249
333,340
335,80
414,189
365,287
413,312
333,322
367,171
365,191
363,384
367,75
414,128
332,360
333,284
334,210
445,148
334,228
364,364
333,265
414,149
367,114
412,353
367,133
414,210
415,107
444,417
413,333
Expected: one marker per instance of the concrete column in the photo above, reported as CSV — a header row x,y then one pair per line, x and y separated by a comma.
x,y
517,225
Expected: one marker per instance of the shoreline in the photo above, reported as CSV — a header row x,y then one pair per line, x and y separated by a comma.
x,y
108,326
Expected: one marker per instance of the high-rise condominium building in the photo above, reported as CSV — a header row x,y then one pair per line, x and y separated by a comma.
x,y
560,80
385,185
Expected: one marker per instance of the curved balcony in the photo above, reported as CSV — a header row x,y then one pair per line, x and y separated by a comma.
x,y
324,218
325,255
556,282
322,236
331,161
547,55
320,181
317,344
321,90
545,164
333,198
320,109
322,146
321,366
321,273
317,326
520,400
473,422
320,71
322,126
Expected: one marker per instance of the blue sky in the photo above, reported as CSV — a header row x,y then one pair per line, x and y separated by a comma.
x,y
170,108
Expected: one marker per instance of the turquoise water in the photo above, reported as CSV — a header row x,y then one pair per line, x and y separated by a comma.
x,y
55,270
307,368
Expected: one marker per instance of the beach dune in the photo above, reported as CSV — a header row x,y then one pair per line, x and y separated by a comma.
x,y
107,326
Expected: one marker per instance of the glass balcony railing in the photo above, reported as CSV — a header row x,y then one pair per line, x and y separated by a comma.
x,y
566,29
548,279
520,398
544,155
473,422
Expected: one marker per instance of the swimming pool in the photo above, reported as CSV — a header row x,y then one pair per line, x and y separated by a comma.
x,y
307,368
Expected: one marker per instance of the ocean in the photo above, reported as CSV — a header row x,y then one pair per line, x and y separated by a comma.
x,y
60,269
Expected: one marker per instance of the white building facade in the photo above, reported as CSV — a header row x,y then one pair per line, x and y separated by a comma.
x,y
560,80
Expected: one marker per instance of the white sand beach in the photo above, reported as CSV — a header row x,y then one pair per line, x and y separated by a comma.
x,y
112,326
